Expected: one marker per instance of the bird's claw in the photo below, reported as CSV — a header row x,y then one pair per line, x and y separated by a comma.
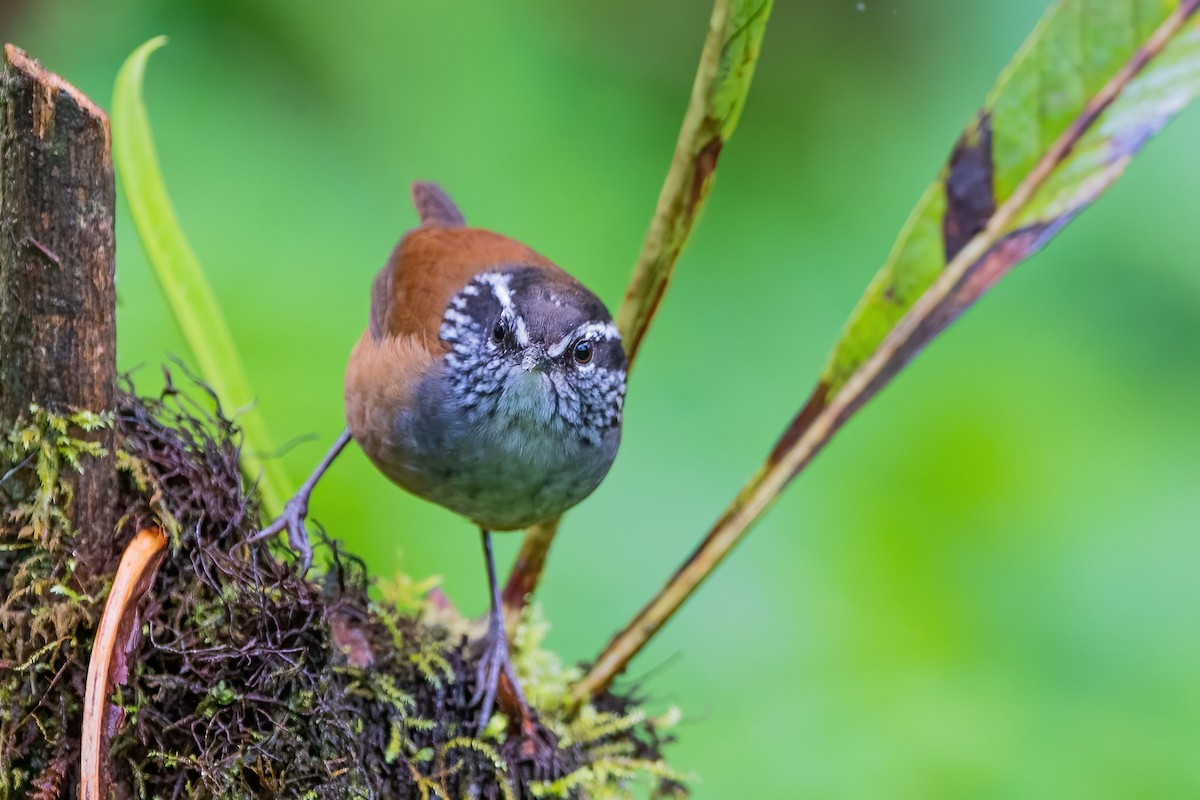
x,y
494,661
291,520
296,509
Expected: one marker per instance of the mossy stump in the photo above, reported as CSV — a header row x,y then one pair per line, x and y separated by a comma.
x,y
241,679
245,680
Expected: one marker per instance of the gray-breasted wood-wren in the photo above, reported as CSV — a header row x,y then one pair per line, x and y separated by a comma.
x,y
488,381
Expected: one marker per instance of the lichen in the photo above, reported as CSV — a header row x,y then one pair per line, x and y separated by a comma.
x,y
249,681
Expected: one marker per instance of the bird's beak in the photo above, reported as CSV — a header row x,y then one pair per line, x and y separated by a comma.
x,y
535,359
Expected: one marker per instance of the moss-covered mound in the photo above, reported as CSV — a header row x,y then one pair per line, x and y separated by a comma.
x,y
245,680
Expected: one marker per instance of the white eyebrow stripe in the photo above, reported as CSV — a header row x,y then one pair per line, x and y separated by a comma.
x,y
501,288
589,330
502,291
521,332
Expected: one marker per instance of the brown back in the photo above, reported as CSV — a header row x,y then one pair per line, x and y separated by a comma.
x,y
432,263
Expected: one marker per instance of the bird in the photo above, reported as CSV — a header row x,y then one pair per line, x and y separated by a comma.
x,y
489,381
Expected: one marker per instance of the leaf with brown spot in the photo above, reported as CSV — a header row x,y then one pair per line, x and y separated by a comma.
x,y
1093,83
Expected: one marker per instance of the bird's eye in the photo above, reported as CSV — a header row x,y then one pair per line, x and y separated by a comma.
x,y
583,352
500,331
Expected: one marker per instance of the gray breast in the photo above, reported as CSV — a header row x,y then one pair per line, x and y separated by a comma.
x,y
502,464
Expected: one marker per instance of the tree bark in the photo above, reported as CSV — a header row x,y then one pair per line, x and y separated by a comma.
x,y
57,296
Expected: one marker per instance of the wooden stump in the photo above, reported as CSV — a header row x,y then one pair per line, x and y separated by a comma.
x,y
57,298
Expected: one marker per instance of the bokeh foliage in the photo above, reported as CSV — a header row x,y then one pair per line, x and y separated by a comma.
x,y
985,589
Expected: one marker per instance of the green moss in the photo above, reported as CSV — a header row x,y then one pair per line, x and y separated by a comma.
x,y
47,609
247,681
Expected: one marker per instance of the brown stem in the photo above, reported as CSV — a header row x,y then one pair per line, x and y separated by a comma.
x,y
527,569
57,298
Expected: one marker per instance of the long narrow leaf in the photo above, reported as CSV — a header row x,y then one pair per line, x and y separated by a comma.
x,y
1092,84
727,62
719,93
182,278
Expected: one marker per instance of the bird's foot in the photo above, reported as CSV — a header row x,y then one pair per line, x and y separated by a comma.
x,y
296,509
495,666
291,520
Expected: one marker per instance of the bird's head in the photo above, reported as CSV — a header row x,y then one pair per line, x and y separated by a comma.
x,y
534,345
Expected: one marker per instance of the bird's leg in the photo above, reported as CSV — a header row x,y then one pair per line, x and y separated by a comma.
x,y
296,509
494,660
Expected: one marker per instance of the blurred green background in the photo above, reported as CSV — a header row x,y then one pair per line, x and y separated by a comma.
x,y
986,588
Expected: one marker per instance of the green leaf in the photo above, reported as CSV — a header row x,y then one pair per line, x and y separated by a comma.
x,y
182,278
719,93
1093,83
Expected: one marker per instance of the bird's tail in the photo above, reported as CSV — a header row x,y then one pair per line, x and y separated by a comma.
x,y
435,206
